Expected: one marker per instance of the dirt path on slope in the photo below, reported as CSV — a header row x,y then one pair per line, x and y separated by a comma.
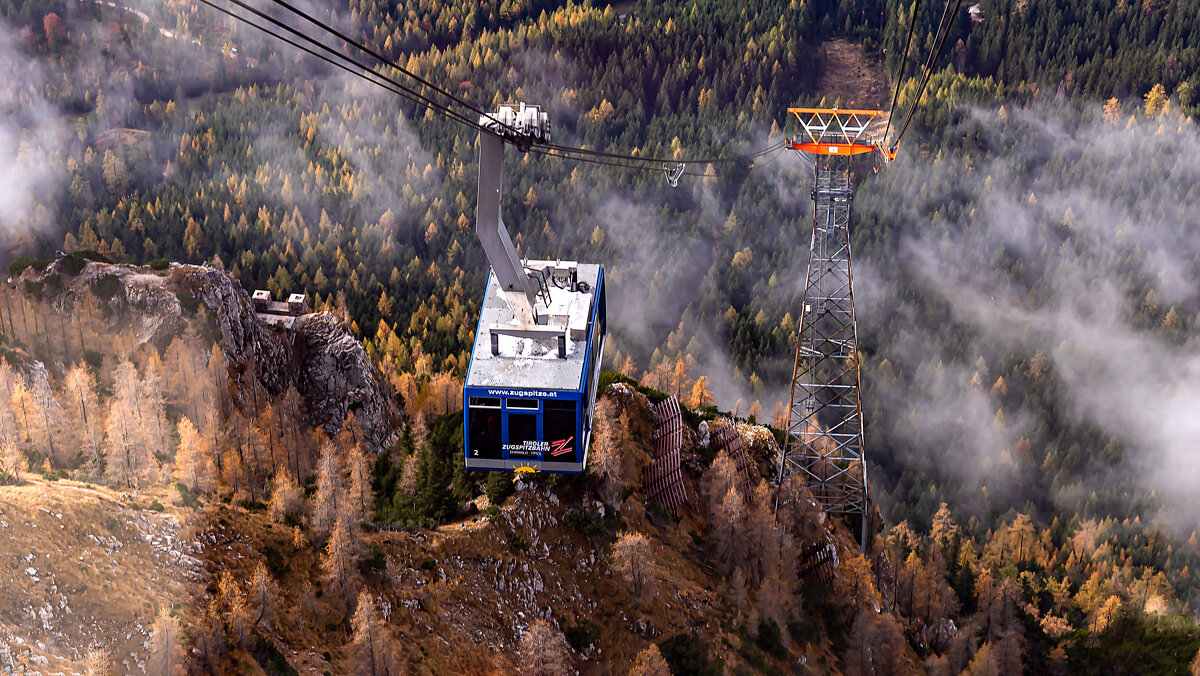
x,y
851,80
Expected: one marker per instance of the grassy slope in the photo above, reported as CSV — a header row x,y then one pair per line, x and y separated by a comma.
x,y
101,571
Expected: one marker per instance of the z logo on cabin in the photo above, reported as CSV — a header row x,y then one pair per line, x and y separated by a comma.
x,y
561,446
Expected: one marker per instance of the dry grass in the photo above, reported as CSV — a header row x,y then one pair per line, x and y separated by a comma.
x,y
80,567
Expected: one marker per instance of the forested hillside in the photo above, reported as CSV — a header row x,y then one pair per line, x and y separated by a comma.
x,y
1077,48
1027,276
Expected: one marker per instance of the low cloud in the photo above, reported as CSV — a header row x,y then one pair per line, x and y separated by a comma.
x,y
32,133
1060,239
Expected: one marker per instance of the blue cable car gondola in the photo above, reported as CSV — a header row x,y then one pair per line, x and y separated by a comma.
x,y
528,399
531,385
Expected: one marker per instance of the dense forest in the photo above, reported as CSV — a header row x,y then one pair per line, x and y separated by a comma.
x,y
1026,280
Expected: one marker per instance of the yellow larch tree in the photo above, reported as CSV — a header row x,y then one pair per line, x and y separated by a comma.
x,y
607,442
327,505
82,410
650,662
264,596
542,651
166,654
701,395
633,560
339,564
194,458
360,503
1156,102
287,498
128,460
374,650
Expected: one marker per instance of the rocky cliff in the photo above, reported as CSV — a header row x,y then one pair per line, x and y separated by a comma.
x,y
327,366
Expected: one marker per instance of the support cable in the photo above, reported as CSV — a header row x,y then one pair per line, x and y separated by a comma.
x,y
395,86
562,148
912,23
404,91
661,160
367,50
637,167
933,57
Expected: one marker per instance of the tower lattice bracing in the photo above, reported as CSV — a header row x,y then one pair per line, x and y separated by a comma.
x,y
824,443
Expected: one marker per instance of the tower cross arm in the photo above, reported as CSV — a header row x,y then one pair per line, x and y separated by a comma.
x,y
833,131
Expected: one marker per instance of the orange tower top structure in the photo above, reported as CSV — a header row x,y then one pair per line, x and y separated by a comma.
x,y
830,131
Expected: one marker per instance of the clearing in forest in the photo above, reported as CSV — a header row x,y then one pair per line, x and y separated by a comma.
x,y
851,80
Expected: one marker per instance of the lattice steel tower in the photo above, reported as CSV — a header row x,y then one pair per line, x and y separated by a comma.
x,y
824,442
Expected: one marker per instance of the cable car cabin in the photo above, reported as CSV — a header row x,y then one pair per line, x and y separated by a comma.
x,y
531,389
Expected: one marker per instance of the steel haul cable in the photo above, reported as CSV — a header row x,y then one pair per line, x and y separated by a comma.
x,y
392,85
912,22
367,50
549,152
408,94
584,151
933,57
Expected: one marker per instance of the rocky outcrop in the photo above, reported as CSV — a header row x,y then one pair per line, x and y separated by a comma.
x,y
132,297
251,349
326,365
335,376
